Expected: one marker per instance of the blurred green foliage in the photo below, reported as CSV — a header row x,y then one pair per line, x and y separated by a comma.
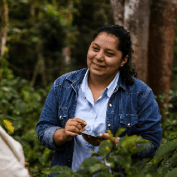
x,y
46,26
39,28
92,14
120,161
20,108
43,28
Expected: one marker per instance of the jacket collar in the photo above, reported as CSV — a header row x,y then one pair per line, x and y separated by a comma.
x,y
76,78
120,84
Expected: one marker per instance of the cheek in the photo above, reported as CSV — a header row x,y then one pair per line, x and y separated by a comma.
x,y
90,55
114,64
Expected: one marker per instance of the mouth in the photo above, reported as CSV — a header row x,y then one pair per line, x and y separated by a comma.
x,y
98,65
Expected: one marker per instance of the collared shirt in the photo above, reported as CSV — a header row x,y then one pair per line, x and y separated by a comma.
x,y
132,107
94,113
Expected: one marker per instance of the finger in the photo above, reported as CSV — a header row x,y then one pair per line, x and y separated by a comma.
x,y
116,140
73,126
75,122
26,164
104,136
73,129
70,133
81,121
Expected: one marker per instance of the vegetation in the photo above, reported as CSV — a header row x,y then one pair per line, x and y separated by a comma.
x,y
21,105
20,108
119,160
33,26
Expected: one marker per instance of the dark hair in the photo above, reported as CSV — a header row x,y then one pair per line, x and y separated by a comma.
x,y
125,46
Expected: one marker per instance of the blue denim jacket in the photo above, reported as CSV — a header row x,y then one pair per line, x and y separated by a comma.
x,y
131,107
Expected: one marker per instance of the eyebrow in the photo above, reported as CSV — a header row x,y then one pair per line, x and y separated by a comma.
x,y
106,48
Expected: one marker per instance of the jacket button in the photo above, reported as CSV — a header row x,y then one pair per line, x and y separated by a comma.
x,y
110,105
128,124
60,117
109,125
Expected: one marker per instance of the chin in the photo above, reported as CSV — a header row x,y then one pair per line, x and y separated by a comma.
x,y
96,73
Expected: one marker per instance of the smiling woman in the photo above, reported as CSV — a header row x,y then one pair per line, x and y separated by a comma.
x,y
104,96
103,60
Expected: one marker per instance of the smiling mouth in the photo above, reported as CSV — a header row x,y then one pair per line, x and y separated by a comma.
x,y
99,65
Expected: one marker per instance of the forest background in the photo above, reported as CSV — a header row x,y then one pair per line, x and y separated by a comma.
x,y
43,39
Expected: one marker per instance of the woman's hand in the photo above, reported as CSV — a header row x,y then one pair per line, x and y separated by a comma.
x,y
72,128
97,141
26,166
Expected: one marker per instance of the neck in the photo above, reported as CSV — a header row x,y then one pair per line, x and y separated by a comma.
x,y
98,82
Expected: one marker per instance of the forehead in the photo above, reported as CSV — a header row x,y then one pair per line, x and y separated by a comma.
x,y
107,40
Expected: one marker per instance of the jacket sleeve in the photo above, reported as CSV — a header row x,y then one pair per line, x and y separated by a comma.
x,y
149,123
49,122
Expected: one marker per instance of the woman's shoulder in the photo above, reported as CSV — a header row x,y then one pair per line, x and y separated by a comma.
x,y
72,76
139,86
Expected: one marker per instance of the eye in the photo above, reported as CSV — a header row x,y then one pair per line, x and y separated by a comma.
x,y
95,48
109,54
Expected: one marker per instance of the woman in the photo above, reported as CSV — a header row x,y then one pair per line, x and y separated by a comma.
x,y
104,96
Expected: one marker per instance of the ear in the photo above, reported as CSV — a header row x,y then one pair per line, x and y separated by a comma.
x,y
124,60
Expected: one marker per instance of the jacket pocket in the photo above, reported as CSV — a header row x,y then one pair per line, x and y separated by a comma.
x,y
128,120
63,115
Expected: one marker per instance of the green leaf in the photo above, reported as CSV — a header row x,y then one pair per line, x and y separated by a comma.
x,y
140,148
121,141
7,117
31,135
89,161
165,148
166,157
172,161
105,148
57,169
105,173
172,173
162,171
123,160
97,168
110,134
130,140
64,175
45,156
120,131
82,173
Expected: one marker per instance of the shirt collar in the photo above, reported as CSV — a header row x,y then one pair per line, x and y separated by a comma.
x,y
84,85
109,89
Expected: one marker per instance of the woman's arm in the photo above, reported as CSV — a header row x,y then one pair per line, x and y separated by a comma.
x,y
72,128
49,129
149,123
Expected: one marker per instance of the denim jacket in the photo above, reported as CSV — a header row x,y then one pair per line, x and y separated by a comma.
x,y
132,107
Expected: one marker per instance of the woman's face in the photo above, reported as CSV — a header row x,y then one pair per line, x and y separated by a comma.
x,y
103,57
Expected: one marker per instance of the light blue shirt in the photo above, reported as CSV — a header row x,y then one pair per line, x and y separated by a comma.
x,y
94,113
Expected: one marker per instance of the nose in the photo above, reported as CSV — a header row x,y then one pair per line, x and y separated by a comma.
x,y
99,56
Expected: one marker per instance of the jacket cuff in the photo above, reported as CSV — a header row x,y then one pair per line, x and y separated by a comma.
x,y
149,152
49,139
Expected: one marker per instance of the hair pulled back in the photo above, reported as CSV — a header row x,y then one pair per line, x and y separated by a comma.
x,y
125,46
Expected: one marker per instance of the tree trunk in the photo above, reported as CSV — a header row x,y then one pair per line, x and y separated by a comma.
x,y
3,25
39,67
118,11
134,16
161,41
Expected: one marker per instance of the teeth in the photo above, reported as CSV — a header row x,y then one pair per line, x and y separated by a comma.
x,y
97,65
